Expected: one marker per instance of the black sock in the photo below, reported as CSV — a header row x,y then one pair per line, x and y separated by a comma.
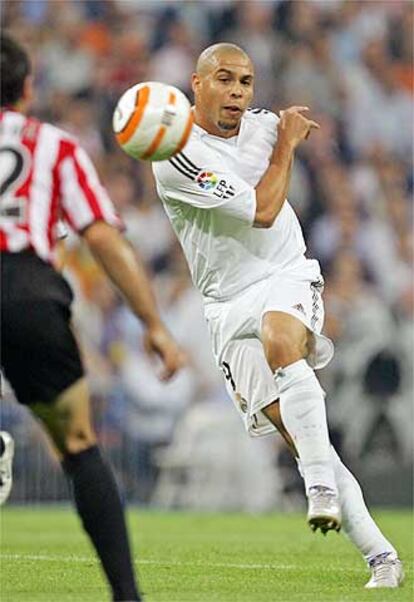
x,y
99,506
2,446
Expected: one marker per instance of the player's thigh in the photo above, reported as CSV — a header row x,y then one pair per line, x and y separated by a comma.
x,y
285,338
41,359
40,354
295,314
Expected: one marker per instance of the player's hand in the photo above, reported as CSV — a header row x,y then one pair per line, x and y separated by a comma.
x,y
158,340
293,126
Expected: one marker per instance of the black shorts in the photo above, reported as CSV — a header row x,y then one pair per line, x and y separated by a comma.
x,y
39,354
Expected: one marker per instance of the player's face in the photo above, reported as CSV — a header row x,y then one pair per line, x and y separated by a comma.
x,y
223,94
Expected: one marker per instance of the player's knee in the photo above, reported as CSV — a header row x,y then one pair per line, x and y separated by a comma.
x,y
73,438
281,349
79,439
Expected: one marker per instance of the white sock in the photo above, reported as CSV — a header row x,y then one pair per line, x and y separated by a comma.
x,y
357,522
302,408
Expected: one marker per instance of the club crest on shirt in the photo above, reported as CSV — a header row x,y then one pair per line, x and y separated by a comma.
x,y
207,180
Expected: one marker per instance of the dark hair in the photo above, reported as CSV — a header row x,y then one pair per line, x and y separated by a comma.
x,y
14,68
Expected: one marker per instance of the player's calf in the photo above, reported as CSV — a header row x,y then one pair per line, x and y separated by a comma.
x,y
302,408
94,488
324,510
99,506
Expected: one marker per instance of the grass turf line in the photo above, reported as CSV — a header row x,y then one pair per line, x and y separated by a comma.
x,y
185,557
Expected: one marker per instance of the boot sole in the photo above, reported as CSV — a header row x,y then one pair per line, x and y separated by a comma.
x,y
325,524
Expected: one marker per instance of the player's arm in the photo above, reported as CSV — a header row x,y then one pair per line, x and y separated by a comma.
x,y
272,189
197,177
125,269
88,209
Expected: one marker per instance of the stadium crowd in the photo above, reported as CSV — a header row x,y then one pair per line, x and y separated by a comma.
x,y
352,185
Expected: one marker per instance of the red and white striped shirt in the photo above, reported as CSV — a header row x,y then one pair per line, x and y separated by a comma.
x,y
45,176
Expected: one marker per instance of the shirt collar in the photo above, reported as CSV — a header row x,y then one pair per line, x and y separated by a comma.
x,y
201,132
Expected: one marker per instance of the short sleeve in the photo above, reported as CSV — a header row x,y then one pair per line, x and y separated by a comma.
x,y
84,199
197,178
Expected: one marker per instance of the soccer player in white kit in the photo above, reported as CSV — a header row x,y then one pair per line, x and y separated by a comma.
x,y
226,198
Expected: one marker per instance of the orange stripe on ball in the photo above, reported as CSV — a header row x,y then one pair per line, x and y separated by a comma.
x,y
141,102
155,143
160,134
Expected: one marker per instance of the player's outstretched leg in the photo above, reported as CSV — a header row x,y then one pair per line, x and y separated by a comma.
x,y
323,502
303,412
6,462
95,492
302,407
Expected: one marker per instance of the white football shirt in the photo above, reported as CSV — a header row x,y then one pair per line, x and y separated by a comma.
x,y
208,192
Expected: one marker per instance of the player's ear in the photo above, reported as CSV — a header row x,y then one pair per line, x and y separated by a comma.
x,y
28,91
195,82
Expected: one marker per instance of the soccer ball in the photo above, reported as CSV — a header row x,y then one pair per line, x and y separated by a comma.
x,y
152,121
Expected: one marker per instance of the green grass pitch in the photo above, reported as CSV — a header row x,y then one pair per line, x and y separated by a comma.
x,y
185,557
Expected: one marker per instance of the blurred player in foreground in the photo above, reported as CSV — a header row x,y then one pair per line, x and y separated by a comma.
x,y
6,460
46,176
225,195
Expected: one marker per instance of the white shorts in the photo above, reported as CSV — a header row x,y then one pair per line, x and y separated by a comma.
x,y
235,331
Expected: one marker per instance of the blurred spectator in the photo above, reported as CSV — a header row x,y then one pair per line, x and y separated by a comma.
x,y
311,77
253,30
78,120
173,63
66,65
372,83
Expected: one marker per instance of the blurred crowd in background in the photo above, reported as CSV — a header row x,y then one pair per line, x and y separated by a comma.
x,y
351,62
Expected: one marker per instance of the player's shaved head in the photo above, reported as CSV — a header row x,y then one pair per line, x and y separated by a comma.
x,y
211,57
223,88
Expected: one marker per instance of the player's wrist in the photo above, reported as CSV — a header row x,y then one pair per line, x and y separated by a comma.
x,y
152,323
283,150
